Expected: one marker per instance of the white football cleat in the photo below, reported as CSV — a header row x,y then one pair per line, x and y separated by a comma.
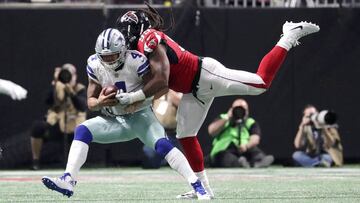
x,y
294,31
64,184
188,195
199,192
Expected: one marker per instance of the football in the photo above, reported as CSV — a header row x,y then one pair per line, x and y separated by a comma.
x,y
110,89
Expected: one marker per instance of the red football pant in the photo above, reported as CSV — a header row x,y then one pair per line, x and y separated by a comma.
x,y
193,153
270,64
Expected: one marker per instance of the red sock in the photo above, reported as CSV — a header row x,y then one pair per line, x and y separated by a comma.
x,y
270,64
193,153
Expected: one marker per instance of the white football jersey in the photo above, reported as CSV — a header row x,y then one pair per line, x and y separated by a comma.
x,y
127,77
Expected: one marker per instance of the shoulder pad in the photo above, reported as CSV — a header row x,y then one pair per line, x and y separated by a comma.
x,y
135,57
92,64
136,52
139,61
93,60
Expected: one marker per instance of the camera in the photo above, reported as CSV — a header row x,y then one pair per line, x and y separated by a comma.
x,y
238,115
64,76
324,117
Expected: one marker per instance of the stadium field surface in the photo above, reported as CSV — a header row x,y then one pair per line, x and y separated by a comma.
x,y
274,184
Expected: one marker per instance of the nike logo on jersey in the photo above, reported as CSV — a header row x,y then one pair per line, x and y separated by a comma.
x,y
300,26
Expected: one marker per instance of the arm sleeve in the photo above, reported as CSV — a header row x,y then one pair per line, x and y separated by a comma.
x,y
304,141
255,129
79,100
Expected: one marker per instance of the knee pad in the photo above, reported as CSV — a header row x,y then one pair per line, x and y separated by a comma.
x,y
83,134
163,146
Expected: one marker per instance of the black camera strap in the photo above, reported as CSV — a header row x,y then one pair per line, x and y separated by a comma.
x,y
239,127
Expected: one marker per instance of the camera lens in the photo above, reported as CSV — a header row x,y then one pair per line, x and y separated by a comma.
x,y
324,117
238,112
65,76
330,118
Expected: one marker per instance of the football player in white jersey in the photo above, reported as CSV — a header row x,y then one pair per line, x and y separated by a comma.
x,y
113,64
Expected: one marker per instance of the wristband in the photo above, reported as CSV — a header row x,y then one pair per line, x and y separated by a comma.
x,y
138,96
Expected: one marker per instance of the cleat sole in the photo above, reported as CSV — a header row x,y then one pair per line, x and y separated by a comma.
x,y
52,186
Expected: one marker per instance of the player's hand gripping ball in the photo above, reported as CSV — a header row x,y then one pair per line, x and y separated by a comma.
x,y
110,89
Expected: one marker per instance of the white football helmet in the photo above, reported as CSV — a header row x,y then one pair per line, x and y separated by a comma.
x,y
109,42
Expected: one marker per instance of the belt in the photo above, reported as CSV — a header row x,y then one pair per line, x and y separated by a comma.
x,y
195,83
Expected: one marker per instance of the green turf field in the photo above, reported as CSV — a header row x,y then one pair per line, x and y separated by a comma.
x,y
230,185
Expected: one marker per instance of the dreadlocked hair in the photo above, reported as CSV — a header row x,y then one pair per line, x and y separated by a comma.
x,y
156,21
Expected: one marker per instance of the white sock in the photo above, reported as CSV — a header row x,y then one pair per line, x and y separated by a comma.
x,y
285,43
178,162
205,181
77,157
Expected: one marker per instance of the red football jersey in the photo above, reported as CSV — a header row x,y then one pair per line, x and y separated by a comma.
x,y
183,64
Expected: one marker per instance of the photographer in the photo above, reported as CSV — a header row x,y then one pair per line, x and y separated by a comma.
x,y
236,141
67,106
317,140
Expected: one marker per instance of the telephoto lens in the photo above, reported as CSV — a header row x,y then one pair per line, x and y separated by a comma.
x,y
324,117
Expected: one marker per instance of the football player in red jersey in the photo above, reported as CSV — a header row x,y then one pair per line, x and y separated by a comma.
x,y
200,79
